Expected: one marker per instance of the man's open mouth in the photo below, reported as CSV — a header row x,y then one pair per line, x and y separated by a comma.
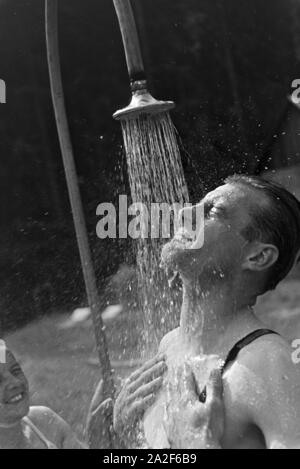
x,y
184,237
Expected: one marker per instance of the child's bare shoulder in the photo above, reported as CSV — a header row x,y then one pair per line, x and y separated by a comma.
x,y
48,422
43,414
54,428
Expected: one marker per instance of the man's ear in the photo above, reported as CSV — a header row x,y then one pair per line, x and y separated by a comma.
x,y
260,257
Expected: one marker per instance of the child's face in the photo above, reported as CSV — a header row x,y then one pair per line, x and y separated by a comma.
x,y
14,394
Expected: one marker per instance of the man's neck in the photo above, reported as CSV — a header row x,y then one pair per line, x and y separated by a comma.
x,y
213,316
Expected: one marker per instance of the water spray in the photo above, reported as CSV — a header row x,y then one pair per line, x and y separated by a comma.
x,y
108,388
154,168
146,122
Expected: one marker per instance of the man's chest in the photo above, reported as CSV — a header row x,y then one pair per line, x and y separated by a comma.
x,y
240,401
184,372
239,430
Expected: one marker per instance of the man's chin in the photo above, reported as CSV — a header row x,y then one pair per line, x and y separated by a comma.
x,y
176,256
172,253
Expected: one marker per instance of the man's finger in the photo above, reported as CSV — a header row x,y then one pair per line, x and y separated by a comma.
x,y
147,376
106,407
99,423
149,364
144,404
188,384
147,389
98,396
215,386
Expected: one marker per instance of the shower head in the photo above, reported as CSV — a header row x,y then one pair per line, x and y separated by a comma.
x,y
142,103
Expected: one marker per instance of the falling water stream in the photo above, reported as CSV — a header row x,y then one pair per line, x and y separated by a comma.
x,y
155,176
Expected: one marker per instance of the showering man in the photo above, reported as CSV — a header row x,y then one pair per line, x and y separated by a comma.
x,y
251,242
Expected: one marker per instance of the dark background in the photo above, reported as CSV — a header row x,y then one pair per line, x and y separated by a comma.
x,y
228,64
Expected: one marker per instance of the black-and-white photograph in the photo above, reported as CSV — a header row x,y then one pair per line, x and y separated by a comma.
x,y
150,227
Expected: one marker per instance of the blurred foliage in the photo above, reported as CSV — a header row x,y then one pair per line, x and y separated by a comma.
x,y
228,64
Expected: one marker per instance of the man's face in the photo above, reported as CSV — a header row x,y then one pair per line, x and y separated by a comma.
x,y
14,394
226,214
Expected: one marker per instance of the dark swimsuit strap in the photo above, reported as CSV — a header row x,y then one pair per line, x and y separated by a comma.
x,y
232,355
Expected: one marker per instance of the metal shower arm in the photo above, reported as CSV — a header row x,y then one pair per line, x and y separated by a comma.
x,y
131,42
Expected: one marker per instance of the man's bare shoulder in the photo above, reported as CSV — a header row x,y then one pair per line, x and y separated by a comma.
x,y
266,356
262,370
271,351
258,386
169,339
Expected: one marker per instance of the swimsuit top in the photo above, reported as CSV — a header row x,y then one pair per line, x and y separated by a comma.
x,y
232,355
39,434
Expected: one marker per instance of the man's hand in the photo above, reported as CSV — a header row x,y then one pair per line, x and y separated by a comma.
x,y
137,395
190,423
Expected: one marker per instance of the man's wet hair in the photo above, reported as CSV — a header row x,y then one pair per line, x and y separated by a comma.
x,y
276,223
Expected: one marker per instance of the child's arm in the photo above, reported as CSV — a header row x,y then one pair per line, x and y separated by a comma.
x,y
69,439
